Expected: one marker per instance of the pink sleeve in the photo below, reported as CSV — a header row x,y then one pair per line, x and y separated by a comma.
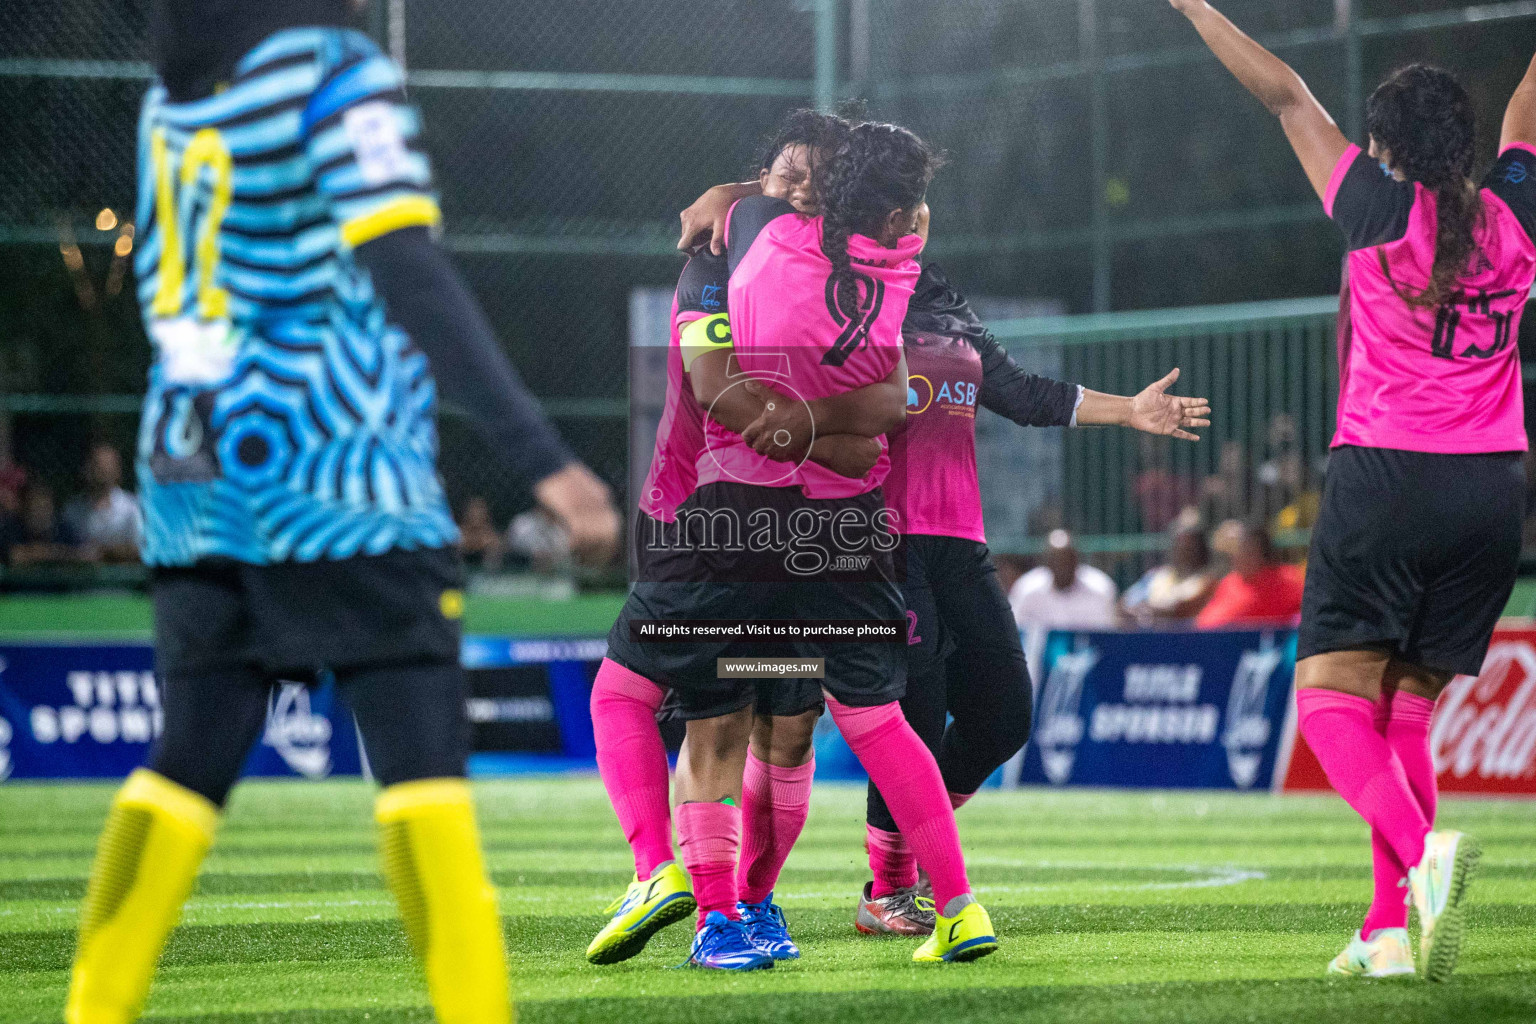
x,y
1337,178
728,223
688,316
1519,145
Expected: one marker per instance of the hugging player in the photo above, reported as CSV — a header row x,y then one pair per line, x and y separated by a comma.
x,y
779,765
796,302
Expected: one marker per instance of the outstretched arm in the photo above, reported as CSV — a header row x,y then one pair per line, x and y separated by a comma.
x,y
1520,115
1312,133
1153,411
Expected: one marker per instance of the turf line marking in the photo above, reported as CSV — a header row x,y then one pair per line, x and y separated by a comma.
x,y
1218,878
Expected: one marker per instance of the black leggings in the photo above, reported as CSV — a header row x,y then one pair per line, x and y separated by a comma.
x,y
411,717
969,664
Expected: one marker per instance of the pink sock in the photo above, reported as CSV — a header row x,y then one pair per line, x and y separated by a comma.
x,y
709,835
633,761
1408,736
890,861
774,805
1404,721
959,800
1340,730
906,774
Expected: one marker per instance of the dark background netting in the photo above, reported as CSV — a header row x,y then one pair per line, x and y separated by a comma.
x,y
566,135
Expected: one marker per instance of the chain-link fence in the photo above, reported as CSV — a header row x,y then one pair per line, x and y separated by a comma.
x,y
1270,372
1100,159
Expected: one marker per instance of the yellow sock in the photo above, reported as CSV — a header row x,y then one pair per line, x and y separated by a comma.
x,y
155,837
432,862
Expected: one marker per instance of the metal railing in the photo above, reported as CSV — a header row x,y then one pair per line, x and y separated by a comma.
x,y
1270,372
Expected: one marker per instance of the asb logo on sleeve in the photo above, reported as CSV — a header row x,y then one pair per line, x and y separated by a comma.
x,y
952,396
919,394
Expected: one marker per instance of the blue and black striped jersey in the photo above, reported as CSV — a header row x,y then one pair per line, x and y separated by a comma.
x,y
286,418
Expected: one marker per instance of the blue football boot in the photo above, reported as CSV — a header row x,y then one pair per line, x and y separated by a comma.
x,y
766,928
722,944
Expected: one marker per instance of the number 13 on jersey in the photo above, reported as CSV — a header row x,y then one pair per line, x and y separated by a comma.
x,y
193,331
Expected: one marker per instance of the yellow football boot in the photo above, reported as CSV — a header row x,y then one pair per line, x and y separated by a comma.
x,y
648,906
966,936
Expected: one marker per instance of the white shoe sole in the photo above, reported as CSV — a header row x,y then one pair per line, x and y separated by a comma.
x,y
1440,946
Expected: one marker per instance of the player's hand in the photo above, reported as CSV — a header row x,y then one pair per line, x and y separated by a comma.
x,y
1155,412
584,506
785,430
847,455
704,221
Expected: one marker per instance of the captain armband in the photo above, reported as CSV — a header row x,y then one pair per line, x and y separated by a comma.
x,y
707,334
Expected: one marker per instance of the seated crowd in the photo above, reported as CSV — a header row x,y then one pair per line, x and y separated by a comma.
x,y
100,524
1231,579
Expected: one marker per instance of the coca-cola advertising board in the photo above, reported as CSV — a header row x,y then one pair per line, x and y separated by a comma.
x,y
1484,732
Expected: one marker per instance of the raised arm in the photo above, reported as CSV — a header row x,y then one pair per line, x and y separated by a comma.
x,y
1312,133
1520,115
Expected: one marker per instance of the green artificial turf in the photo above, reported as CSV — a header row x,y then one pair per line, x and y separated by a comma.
x,y
108,617
1118,906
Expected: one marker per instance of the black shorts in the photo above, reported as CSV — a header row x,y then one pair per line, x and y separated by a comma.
x,y
293,619
769,698
1415,553
710,572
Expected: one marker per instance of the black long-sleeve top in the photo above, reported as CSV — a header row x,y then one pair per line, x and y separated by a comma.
x,y
424,294
1007,389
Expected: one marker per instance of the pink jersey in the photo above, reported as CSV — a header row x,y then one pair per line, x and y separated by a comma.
x,y
953,365
1445,379
933,487
674,473
788,332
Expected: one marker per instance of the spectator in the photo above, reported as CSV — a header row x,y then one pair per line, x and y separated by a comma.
x,y
1009,569
1061,594
538,537
1175,591
1225,493
1258,591
1161,493
479,540
106,518
35,535
12,477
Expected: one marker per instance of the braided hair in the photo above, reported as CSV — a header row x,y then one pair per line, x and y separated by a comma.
x,y
874,170
1424,118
